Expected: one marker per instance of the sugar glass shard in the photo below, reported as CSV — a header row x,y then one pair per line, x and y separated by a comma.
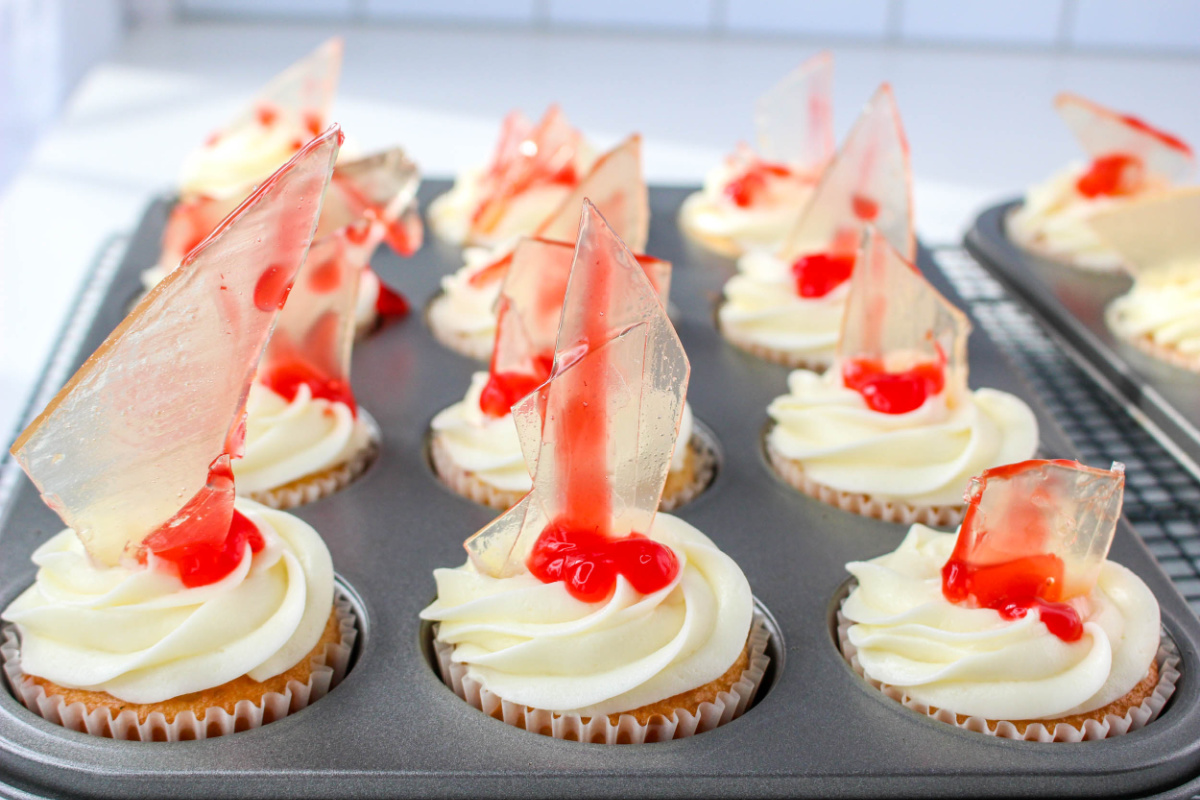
x,y
616,187
599,435
525,158
1058,514
897,321
1104,132
380,187
304,92
138,432
869,181
1155,234
190,222
794,119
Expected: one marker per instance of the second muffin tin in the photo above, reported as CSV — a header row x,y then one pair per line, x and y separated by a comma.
x,y
391,729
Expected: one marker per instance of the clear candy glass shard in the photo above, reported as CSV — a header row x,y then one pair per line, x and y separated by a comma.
x,y
131,438
868,181
616,186
1040,508
1156,235
896,318
793,120
304,92
598,436
381,187
1105,132
190,222
524,158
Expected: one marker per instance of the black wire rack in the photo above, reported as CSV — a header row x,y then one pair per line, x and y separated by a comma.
x,y
1161,499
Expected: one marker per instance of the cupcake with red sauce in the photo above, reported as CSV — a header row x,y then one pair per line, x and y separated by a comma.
x,y
1017,626
169,608
581,613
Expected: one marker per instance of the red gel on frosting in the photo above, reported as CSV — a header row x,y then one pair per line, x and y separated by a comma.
x,y
504,389
589,563
818,274
285,379
1111,176
749,186
893,392
390,304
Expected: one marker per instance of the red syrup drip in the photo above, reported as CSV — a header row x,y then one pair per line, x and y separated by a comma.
x,y
504,389
893,392
390,304
494,271
589,563
818,274
749,187
288,367
207,538
313,122
1173,142
864,207
1111,176
266,115
271,291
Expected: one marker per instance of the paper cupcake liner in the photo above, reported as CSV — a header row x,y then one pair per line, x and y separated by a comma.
x,y
679,724
470,344
470,486
784,357
313,487
863,504
1170,355
1167,658
328,669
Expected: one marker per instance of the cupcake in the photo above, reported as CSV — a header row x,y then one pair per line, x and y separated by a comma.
x,y
475,447
892,431
287,113
1129,160
533,170
752,199
787,307
1017,626
581,613
168,609
463,316
1159,241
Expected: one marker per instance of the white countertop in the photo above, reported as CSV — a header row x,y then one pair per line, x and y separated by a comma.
x,y
979,122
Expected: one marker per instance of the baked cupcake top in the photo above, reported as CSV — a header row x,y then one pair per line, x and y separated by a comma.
x,y
1018,616
1159,241
894,418
792,301
1129,159
160,579
750,201
533,170
614,184
580,598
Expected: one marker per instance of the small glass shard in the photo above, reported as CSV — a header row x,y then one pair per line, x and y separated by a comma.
x,y
146,426
1106,133
381,187
794,119
598,437
869,181
303,93
1156,234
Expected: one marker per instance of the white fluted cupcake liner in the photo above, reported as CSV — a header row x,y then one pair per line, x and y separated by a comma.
x,y
328,669
680,724
472,344
313,487
863,504
1167,659
787,358
472,487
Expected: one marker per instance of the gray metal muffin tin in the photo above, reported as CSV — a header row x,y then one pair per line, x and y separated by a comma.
x,y
392,729
1071,303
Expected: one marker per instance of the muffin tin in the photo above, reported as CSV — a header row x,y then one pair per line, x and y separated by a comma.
x,y
1071,303
392,729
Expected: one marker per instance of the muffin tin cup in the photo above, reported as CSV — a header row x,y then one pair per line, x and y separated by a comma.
x,y
392,728
1163,397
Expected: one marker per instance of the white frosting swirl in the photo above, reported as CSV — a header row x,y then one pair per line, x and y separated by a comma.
x,y
763,225
286,441
464,308
1054,220
761,306
975,662
489,448
139,634
533,643
1163,305
241,158
924,457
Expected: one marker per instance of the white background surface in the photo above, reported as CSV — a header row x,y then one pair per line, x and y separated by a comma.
x,y
979,121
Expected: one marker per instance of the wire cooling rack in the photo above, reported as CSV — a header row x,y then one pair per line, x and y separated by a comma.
x,y
1161,499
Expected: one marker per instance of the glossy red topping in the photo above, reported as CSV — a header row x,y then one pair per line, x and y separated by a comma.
x,y
589,563
749,186
1112,176
390,304
271,291
286,377
202,564
893,392
504,389
818,274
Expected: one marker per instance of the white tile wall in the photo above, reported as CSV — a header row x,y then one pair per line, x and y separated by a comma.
x,y
1163,25
1013,22
843,19
674,14
510,11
